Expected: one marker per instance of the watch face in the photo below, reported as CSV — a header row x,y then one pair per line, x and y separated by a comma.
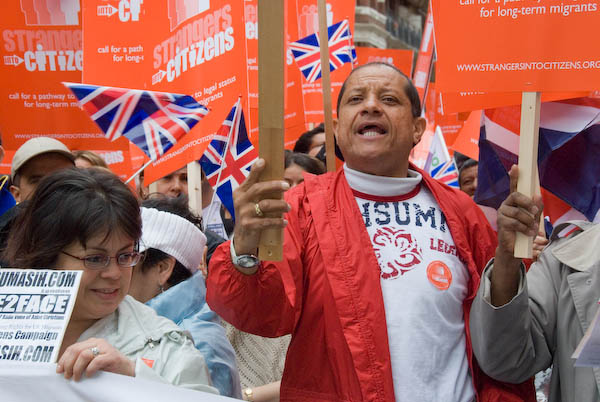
x,y
247,261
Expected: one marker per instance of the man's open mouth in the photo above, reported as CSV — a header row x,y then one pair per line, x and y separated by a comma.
x,y
371,130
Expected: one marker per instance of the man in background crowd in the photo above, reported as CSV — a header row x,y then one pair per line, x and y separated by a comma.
x,y
311,141
35,159
467,177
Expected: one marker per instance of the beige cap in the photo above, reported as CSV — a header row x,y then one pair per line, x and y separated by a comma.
x,y
35,147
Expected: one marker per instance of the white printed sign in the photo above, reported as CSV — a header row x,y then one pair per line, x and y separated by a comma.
x,y
35,307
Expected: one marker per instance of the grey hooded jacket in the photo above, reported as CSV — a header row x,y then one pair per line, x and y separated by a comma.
x,y
543,324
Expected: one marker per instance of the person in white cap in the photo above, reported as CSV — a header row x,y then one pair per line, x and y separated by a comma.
x,y
169,281
35,159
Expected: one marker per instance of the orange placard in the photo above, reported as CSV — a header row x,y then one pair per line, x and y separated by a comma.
x,y
467,141
119,161
517,46
468,101
308,23
425,57
193,48
41,47
400,58
449,123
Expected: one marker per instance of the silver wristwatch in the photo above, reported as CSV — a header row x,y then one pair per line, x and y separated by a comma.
x,y
245,261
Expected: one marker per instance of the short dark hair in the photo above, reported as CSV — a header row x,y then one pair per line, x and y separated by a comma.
x,y
409,89
305,140
71,205
465,165
176,206
306,162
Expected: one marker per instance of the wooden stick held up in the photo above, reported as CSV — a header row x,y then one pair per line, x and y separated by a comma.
x,y
326,86
270,110
528,154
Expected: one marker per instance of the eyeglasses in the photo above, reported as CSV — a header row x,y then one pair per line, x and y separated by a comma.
x,y
101,261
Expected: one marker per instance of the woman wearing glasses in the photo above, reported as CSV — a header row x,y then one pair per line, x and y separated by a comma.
x,y
88,220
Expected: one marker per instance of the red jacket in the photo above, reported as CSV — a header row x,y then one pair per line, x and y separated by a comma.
x,y
327,294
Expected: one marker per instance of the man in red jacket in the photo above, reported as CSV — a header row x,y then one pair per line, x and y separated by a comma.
x,y
381,264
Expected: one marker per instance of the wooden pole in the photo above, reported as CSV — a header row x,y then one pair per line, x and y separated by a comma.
x,y
326,86
194,172
140,170
270,111
528,154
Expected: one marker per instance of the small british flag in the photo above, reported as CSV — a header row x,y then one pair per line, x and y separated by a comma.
x,y
229,156
446,173
306,51
154,121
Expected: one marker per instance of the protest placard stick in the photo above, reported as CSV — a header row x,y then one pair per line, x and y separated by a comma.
x,y
194,173
326,86
528,153
270,111
140,170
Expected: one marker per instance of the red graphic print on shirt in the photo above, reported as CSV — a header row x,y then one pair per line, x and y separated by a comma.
x,y
397,251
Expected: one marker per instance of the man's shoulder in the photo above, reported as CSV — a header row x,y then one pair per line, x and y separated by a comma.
x,y
313,183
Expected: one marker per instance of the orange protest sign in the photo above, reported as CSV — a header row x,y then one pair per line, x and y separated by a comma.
x,y
450,123
41,47
425,57
400,58
520,46
308,24
192,48
456,102
119,161
467,140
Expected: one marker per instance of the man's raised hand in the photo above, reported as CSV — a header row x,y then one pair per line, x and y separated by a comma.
x,y
254,204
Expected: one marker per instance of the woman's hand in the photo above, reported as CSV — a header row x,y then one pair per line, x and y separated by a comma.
x,y
90,356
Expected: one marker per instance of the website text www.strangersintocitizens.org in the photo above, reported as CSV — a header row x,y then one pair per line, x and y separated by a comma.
x,y
531,66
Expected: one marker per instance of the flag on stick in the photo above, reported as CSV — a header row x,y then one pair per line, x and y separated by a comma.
x,y
569,146
306,51
154,121
229,156
439,164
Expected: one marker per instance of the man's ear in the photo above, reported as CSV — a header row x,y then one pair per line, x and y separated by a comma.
x,y
16,193
335,127
165,269
420,125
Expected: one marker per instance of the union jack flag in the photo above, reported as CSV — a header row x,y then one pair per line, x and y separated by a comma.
x,y
446,173
154,121
439,164
229,156
306,51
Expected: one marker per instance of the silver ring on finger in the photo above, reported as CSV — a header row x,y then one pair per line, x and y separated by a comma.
x,y
95,351
258,211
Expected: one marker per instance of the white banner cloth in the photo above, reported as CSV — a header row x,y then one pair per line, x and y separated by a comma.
x,y
39,382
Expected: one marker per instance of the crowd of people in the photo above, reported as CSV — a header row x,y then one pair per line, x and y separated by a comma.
x,y
392,286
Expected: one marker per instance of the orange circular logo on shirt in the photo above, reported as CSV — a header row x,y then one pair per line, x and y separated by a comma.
x,y
439,275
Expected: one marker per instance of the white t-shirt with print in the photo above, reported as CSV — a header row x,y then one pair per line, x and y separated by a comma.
x,y
424,285
211,218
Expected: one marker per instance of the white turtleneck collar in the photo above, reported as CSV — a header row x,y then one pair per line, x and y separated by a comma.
x,y
382,186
